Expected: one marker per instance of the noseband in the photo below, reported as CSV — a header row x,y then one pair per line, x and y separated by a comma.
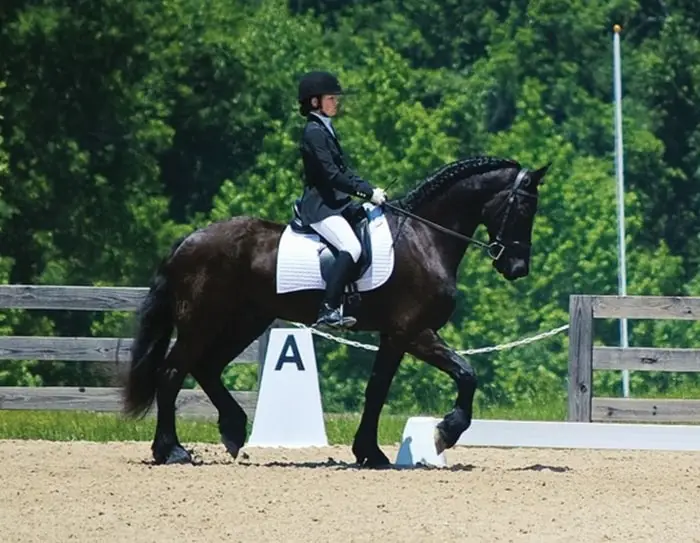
x,y
496,248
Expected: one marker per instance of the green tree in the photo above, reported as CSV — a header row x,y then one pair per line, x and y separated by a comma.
x,y
11,372
82,130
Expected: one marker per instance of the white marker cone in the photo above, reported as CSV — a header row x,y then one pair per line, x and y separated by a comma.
x,y
418,444
289,411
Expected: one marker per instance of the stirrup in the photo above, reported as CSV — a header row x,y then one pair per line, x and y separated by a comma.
x,y
333,318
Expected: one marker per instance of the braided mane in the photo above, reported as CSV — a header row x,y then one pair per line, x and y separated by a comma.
x,y
444,177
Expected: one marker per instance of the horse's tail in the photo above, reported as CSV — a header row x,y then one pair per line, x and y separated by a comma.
x,y
156,324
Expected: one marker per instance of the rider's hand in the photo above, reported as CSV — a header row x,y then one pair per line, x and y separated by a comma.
x,y
378,196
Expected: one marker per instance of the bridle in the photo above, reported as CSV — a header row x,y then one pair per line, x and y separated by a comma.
x,y
496,248
516,190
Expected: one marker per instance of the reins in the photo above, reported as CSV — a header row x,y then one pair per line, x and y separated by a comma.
x,y
487,246
494,249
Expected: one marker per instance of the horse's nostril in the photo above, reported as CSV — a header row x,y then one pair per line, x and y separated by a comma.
x,y
518,268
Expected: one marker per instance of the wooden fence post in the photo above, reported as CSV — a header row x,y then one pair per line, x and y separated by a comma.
x,y
580,358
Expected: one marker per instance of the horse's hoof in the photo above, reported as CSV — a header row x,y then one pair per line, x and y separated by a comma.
x,y
374,459
232,434
440,443
232,447
178,455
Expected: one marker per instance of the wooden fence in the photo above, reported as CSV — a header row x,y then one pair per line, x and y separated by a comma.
x,y
584,358
114,351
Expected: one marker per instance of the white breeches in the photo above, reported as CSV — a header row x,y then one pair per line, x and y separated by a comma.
x,y
339,233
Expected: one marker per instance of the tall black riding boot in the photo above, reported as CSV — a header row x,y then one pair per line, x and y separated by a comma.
x,y
329,314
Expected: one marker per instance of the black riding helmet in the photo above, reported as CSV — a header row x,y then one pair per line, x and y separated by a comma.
x,y
318,83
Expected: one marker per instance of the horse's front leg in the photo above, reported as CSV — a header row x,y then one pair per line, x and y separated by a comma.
x,y
430,347
365,445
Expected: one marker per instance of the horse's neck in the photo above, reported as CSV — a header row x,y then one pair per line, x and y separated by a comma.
x,y
458,210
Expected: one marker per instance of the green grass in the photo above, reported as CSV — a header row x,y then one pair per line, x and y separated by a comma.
x,y
555,409
340,428
85,426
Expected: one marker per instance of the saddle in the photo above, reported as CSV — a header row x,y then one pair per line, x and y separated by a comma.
x,y
358,219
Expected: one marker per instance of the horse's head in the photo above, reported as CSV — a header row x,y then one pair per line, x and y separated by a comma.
x,y
509,217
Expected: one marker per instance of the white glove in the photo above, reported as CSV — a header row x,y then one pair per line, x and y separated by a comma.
x,y
378,196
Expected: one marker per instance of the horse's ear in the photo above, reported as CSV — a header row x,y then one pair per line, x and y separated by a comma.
x,y
538,175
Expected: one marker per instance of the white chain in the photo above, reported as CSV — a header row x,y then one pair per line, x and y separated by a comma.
x,y
502,347
516,343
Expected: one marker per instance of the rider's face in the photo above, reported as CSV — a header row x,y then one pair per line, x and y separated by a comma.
x,y
329,104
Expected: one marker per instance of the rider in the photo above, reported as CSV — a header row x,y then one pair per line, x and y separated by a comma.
x,y
328,188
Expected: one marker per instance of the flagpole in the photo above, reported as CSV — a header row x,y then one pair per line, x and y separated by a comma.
x,y
619,170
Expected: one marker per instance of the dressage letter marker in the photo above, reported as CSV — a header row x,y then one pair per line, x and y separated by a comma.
x,y
290,344
289,411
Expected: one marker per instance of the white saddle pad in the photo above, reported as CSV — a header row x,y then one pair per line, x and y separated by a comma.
x,y
299,267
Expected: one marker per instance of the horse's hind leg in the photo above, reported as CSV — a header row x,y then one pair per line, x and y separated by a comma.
x,y
230,343
166,447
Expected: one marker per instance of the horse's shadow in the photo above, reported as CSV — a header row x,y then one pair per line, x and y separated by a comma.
x,y
541,467
342,465
245,461
329,463
353,466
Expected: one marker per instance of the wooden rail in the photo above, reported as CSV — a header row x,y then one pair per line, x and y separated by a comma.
x,y
190,402
91,349
112,351
71,297
584,358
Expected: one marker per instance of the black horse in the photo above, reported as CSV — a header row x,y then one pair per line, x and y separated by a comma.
x,y
217,287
